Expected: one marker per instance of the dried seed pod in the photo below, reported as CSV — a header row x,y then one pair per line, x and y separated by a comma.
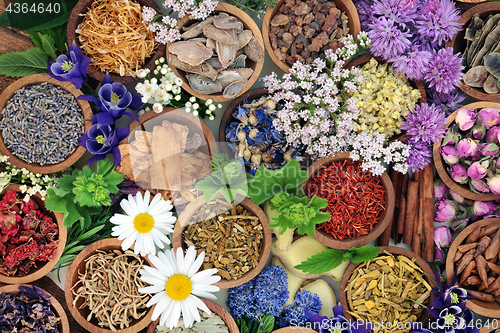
x,y
490,229
476,76
494,285
466,247
466,259
481,296
481,268
483,285
483,244
474,236
492,250
474,280
494,268
467,271
458,255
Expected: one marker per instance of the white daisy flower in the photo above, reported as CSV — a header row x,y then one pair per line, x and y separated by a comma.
x,y
178,285
146,223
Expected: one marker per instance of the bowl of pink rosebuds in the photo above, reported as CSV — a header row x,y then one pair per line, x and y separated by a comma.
x,y
468,158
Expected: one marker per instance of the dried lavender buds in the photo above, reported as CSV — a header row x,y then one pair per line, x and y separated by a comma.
x,y
109,288
232,244
41,124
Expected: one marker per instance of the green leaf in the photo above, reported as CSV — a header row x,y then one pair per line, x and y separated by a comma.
x,y
90,233
364,253
66,258
268,183
35,39
322,262
23,63
268,321
59,35
35,21
54,202
48,45
75,249
66,183
72,215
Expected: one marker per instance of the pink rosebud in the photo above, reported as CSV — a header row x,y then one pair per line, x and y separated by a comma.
x,y
458,173
492,135
479,186
438,256
456,197
490,117
450,154
478,131
451,137
439,189
445,210
466,118
478,170
494,184
467,148
442,237
489,149
459,225
482,208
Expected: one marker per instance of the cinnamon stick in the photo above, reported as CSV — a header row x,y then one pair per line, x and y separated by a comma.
x,y
417,226
427,198
402,207
385,237
411,214
398,190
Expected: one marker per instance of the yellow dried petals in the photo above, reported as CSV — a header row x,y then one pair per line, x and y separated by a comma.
x,y
383,97
113,35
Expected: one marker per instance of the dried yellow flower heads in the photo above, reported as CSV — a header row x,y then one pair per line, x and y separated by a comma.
x,y
383,97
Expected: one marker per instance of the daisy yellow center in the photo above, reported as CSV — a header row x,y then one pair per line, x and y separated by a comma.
x,y
143,223
178,287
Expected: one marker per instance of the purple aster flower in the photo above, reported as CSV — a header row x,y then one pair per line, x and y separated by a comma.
x,y
420,155
364,8
437,21
425,123
401,11
72,68
338,323
413,64
444,71
389,40
114,99
102,139
447,102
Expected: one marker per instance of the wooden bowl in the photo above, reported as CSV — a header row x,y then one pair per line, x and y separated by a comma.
x,y
489,329
385,215
44,267
75,19
396,251
248,23
477,306
459,43
185,218
78,266
214,307
346,6
56,306
461,189
193,123
84,106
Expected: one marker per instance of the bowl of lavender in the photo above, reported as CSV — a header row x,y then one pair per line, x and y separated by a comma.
x,y
247,128
25,308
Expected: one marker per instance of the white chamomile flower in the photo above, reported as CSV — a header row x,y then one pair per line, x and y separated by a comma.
x,y
178,285
146,223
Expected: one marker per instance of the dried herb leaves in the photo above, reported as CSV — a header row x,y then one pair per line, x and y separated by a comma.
x,y
210,323
383,289
109,287
232,244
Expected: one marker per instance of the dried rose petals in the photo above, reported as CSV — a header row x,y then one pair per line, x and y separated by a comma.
x,y
26,235
29,311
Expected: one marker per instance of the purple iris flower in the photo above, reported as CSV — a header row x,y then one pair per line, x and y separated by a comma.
x,y
102,139
114,99
72,68
339,322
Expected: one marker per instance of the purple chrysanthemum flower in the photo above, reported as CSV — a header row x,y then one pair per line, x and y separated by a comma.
x,y
365,13
420,155
446,102
425,123
401,11
413,64
444,71
389,40
438,21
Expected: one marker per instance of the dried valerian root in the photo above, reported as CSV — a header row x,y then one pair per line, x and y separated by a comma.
x,y
388,288
109,287
232,244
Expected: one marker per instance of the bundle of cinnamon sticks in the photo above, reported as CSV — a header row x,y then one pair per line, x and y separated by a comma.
x,y
413,221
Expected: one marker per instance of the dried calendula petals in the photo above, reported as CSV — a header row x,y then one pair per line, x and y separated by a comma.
x,y
113,35
386,289
232,244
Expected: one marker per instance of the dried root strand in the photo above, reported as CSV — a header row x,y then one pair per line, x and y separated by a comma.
x,y
109,288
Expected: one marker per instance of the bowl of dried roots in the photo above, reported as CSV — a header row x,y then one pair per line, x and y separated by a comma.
x,y
102,269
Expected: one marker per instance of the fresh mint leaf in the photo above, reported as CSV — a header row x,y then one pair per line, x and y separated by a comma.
x,y
35,39
268,183
322,262
364,253
23,63
268,321
48,45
